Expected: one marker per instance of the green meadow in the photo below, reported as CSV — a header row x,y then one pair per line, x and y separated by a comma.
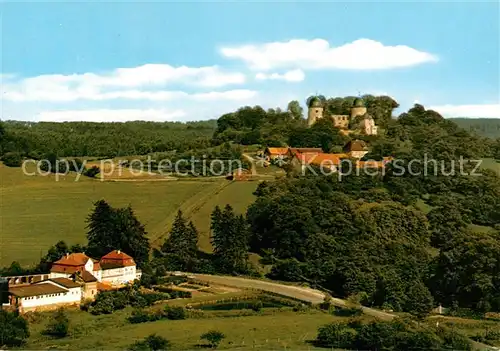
x,y
37,211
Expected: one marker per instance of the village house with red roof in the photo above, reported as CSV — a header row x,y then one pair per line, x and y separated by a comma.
x,y
73,278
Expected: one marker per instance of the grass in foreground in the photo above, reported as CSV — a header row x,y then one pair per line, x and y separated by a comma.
x,y
281,330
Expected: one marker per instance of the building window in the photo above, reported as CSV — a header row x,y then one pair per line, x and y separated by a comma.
x,y
317,111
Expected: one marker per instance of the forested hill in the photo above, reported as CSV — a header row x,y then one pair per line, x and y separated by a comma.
x,y
103,139
402,239
487,127
277,127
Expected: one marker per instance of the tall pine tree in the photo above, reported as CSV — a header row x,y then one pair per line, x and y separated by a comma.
x,y
229,240
116,229
183,239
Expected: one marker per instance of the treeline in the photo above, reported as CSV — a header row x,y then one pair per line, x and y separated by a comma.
x,y
487,127
420,132
212,161
394,335
78,139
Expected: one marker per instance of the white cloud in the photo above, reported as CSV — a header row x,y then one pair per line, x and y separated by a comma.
x,y
484,111
63,95
140,82
296,75
361,54
106,115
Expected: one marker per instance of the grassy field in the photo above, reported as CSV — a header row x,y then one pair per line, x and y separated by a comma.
x,y
468,327
280,330
37,211
491,164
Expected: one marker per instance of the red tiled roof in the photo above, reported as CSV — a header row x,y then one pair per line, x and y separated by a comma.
x,y
116,255
356,145
74,259
104,287
277,150
116,259
321,159
56,268
97,266
306,150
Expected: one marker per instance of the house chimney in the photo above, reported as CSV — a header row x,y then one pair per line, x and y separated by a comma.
x,y
67,254
118,251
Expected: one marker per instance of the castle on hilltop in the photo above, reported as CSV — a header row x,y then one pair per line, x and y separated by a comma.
x,y
358,120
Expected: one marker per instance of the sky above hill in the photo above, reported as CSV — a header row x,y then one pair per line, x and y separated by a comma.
x,y
189,61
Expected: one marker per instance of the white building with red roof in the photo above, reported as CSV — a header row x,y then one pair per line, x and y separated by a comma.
x,y
115,268
73,278
118,268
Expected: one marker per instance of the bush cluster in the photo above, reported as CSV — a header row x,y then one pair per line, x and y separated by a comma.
x,y
174,294
394,335
107,302
140,315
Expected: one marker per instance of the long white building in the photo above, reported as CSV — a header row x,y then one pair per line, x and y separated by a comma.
x,y
47,294
73,278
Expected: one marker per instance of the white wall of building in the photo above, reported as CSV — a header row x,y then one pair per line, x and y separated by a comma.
x,y
72,296
117,276
59,275
98,275
89,266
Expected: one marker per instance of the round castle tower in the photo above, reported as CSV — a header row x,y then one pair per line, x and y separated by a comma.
x,y
358,108
315,110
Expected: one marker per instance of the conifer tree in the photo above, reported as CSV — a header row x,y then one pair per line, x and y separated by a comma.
x,y
183,239
229,239
192,238
100,229
116,229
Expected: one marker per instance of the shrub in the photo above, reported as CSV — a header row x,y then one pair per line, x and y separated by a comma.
x,y
92,172
13,329
256,306
348,312
174,294
300,307
214,338
336,335
102,306
12,159
393,335
289,270
59,325
139,316
152,342
175,313
108,301
454,340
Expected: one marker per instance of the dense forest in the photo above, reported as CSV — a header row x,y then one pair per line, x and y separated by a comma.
x,y
369,235
102,139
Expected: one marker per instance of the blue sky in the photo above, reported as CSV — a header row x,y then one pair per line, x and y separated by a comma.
x,y
191,61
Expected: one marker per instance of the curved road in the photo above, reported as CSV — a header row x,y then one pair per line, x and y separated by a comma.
x,y
308,295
